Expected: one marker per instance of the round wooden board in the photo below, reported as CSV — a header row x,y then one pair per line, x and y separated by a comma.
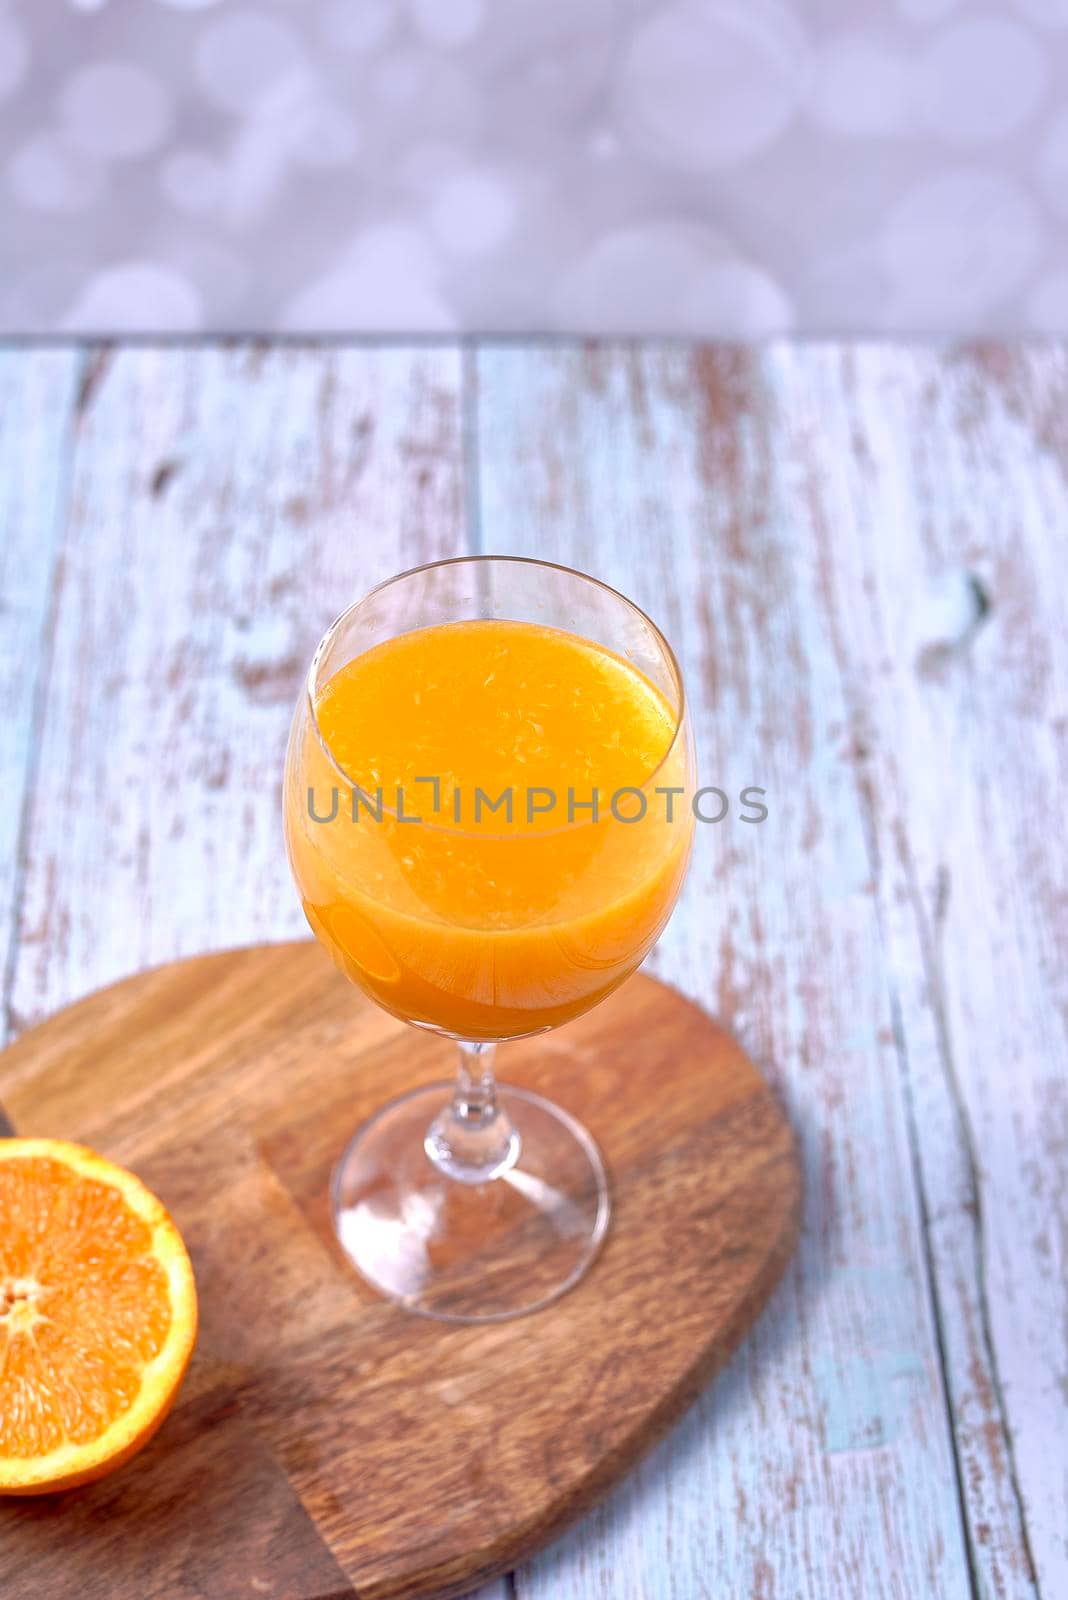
x,y
326,1444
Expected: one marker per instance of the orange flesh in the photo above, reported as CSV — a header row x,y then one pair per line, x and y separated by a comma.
x,y
84,1307
494,928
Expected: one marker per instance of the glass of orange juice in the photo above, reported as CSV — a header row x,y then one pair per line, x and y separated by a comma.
x,y
487,814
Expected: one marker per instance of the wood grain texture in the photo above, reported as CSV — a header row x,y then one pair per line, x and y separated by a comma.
x,y
408,1456
962,655
225,505
214,510
889,945
36,408
741,497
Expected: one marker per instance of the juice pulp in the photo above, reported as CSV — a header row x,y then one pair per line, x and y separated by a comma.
x,y
491,927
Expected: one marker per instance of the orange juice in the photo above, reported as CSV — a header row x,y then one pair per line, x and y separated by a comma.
x,y
488,918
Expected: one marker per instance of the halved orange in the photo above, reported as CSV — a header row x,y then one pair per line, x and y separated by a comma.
x,y
98,1315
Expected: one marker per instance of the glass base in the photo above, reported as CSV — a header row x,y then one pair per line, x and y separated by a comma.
x,y
468,1252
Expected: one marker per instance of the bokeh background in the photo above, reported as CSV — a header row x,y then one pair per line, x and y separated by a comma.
x,y
705,167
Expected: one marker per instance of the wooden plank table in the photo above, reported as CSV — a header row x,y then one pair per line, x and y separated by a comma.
x,y
860,553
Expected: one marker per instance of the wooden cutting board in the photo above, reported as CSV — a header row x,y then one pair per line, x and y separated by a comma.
x,y
326,1444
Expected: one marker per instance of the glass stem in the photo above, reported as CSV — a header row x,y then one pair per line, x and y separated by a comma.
x,y
472,1138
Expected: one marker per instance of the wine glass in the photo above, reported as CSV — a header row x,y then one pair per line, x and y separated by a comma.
x,y
480,918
